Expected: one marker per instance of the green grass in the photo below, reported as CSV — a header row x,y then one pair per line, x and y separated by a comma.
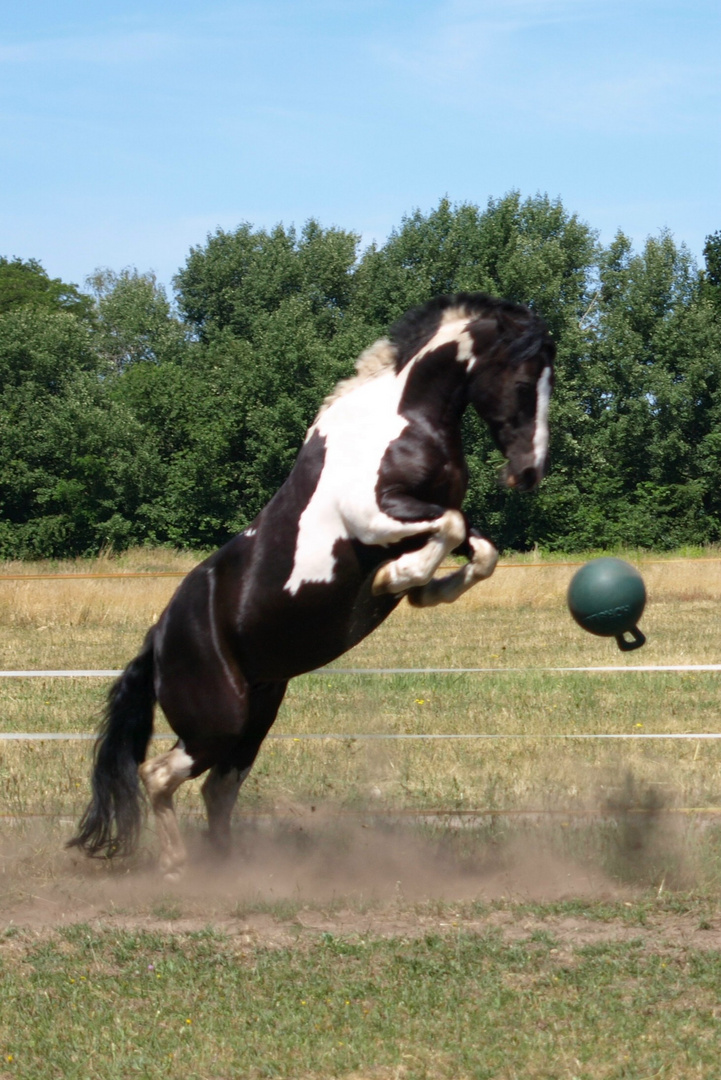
x,y
432,989
526,772
116,1004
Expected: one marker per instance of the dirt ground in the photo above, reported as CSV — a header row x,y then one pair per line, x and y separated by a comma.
x,y
292,880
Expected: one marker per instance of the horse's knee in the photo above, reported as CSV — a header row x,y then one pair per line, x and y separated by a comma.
x,y
453,529
416,568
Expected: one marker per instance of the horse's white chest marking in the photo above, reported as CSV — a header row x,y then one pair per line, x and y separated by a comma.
x,y
357,429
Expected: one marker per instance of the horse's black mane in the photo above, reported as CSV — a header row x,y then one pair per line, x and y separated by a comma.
x,y
415,329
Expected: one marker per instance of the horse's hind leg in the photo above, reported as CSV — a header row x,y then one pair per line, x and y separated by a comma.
x,y
221,787
220,791
162,776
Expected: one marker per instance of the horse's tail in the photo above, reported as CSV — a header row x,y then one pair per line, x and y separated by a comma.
x,y
111,824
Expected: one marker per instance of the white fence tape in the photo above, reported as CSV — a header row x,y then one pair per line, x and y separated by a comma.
x,y
502,670
368,736
89,674
51,736
64,674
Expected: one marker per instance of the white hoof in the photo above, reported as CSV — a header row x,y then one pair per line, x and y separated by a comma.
x,y
382,581
174,876
485,557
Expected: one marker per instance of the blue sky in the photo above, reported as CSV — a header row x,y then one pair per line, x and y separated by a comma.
x,y
129,131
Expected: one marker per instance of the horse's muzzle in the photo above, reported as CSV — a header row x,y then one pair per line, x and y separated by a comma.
x,y
525,480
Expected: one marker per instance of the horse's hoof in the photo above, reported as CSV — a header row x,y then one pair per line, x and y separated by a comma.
x,y
382,580
217,848
172,870
172,877
485,556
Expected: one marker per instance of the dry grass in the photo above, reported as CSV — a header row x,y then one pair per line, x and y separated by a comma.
x,y
516,620
136,560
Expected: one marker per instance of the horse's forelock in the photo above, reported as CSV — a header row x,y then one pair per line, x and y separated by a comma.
x,y
524,337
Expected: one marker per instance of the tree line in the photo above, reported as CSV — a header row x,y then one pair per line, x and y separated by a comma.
x,y
130,418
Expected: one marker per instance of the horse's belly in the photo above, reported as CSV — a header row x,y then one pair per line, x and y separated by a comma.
x,y
288,639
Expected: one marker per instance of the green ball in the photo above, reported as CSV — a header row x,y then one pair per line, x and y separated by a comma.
x,y
607,597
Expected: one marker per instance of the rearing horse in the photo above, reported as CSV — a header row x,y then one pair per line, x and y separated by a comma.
x,y
367,515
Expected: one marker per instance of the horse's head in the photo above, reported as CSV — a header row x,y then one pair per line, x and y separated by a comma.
x,y
510,383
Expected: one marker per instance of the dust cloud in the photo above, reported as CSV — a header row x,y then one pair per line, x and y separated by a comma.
x,y
281,863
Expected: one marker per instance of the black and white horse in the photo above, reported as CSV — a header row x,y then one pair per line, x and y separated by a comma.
x,y
367,515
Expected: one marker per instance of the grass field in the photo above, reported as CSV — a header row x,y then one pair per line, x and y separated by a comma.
x,y
464,1003
372,926
517,620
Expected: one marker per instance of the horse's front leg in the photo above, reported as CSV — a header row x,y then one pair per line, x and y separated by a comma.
x,y
445,529
482,559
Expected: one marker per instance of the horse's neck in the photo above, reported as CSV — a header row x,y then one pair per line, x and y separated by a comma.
x,y
435,391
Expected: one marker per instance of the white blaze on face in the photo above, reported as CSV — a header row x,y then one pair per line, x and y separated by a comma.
x,y
540,435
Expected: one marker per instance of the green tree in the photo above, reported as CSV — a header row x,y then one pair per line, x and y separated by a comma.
x,y
712,255
134,322
122,422
711,283
240,276
24,283
649,394
74,473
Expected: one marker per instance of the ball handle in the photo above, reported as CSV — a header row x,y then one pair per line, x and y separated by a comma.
x,y
637,641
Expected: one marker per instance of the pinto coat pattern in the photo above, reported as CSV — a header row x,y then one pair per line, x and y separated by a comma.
x,y
367,515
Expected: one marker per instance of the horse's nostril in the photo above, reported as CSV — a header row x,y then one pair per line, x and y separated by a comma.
x,y
507,476
524,480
